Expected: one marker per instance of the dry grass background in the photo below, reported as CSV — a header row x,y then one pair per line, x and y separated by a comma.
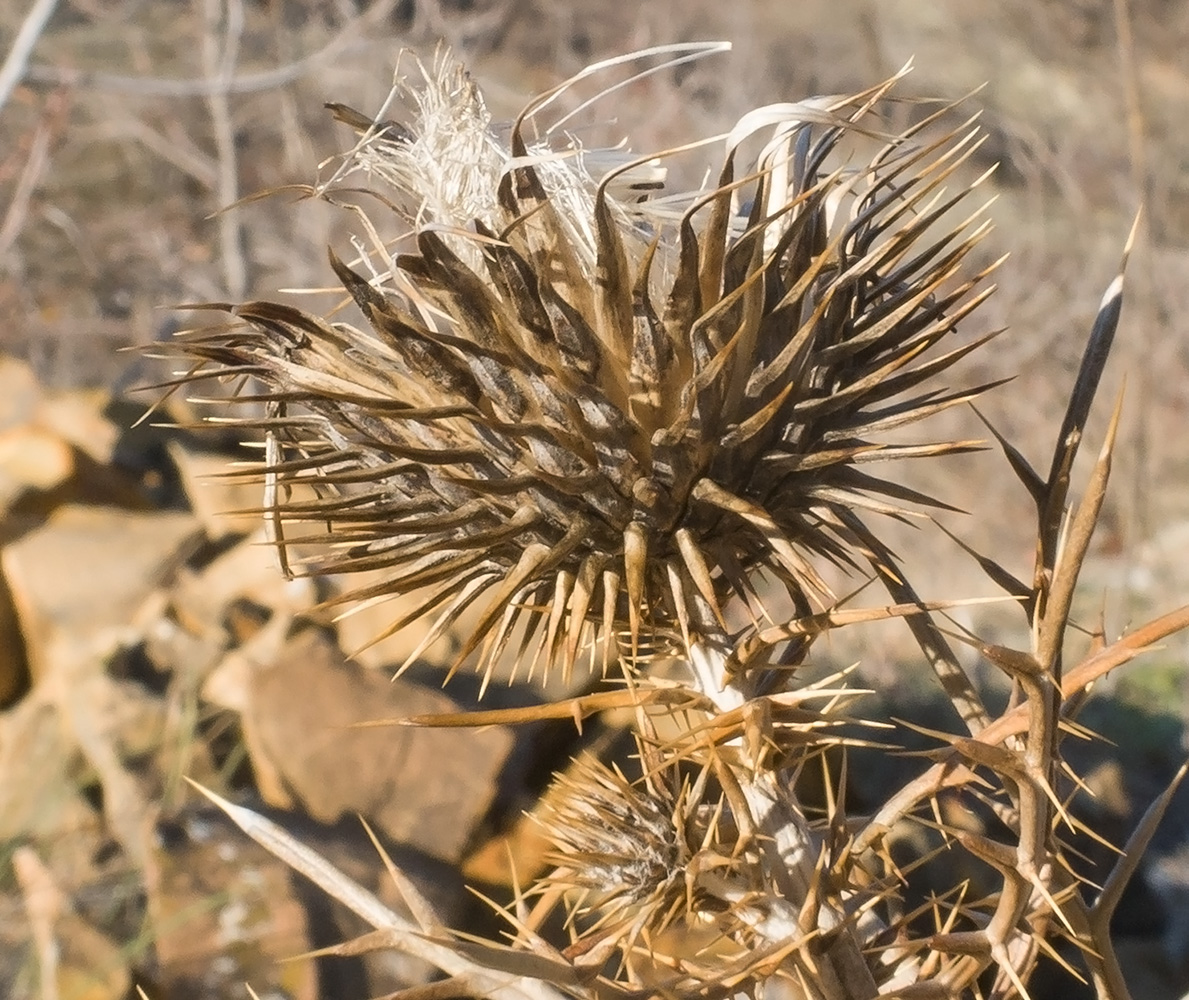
x,y
132,121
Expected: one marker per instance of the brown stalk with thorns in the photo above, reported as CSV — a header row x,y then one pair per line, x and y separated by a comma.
x,y
608,427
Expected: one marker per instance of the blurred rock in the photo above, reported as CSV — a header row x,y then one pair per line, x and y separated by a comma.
x,y
213,497
89,569
424,787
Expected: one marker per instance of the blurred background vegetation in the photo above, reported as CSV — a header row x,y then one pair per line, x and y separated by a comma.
x,y
125,125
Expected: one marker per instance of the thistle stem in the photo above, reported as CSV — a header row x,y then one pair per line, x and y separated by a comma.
x,y
789,847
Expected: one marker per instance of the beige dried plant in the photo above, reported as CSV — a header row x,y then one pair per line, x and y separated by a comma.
x,y
612,424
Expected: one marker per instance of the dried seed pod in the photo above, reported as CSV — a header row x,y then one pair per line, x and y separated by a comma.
x,y
596,420
623,845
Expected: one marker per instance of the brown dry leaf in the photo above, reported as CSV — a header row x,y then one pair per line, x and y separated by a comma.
x,y
78,417
54,448
68,727
427,788
31,458
38,790
41,471
181,652
81,586
248,571
94,711
229,686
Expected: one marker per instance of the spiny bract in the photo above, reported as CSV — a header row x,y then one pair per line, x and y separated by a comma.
x,y
598,417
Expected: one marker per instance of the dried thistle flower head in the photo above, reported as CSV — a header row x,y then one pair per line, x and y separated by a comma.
x,y
622,845
597,419
594,418
648,868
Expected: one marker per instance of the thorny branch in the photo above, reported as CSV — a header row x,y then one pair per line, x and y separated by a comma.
x,y
597,424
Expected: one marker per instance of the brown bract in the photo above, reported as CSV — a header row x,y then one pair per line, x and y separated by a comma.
x,y
592,421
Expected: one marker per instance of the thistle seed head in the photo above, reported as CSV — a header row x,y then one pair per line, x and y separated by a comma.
x,y
619,842
599,419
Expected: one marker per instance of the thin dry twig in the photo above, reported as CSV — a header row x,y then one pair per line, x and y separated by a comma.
x,y
43,905
1141,179
16,62
47,128
178,151
246,83
218,59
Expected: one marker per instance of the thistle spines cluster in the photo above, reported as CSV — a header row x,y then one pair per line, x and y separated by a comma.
x,y
570,437
573,420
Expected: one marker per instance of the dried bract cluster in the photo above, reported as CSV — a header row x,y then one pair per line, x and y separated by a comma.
x,y
598,418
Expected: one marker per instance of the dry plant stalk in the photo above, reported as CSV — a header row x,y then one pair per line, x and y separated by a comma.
x,y
618,426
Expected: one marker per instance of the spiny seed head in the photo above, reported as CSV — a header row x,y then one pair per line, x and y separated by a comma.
x,y
592,417
618,842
